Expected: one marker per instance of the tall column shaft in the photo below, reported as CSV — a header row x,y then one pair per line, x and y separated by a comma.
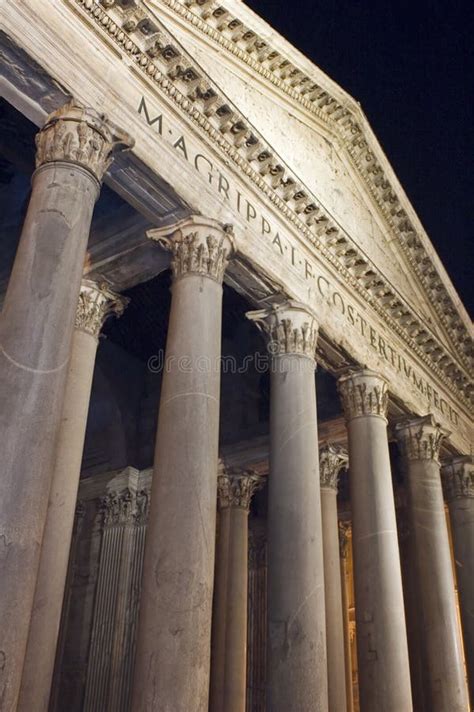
x,y
94,305
331,461
297,667
382,651
443,669
229,625
174,633
36,328
459,489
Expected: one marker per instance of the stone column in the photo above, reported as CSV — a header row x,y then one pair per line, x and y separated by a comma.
x,y
36,326
458,480
257,618
443,671
96,302
174,633
297,668
331,461
382,651
344,538
229,625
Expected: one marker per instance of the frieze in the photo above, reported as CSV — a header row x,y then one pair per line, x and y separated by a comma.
x,y
377,292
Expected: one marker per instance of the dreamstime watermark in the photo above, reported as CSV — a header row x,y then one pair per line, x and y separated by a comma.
x,y
257,362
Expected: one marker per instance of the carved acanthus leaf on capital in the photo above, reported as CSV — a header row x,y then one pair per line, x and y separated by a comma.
x,y
420,438
198,246
82,136
236,487
332,460
97,302
125,507
458,478
363,393
290,328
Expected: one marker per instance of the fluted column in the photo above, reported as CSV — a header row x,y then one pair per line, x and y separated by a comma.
x,y
331,461
229,624
36,325
174,633
345,534
297,668
96,302
458,480
382,651
443,674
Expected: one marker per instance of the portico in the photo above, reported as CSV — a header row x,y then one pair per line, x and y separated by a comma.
x,y
279,367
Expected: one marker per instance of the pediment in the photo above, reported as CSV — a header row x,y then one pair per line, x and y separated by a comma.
x,y
334,177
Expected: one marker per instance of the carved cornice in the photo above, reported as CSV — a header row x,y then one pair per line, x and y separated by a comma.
x,y
332,459
290,328
363,393
458,478
96,303
125,507
80,135
199,246
345,535
235,488
165,64
420,438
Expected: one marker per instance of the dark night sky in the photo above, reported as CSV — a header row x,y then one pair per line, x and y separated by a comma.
x,y
410,65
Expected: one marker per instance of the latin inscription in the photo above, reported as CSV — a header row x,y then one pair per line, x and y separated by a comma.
x,y
287,251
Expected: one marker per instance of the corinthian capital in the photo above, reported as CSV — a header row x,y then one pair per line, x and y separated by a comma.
x,y
363,393
290,328
420,438
332,460
199,246
96,303
458,478
79,135
235,487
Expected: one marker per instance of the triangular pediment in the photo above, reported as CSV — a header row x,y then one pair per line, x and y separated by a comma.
x,y
320,135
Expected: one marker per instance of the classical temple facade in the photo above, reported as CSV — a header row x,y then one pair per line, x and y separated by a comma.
x,y
235,381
